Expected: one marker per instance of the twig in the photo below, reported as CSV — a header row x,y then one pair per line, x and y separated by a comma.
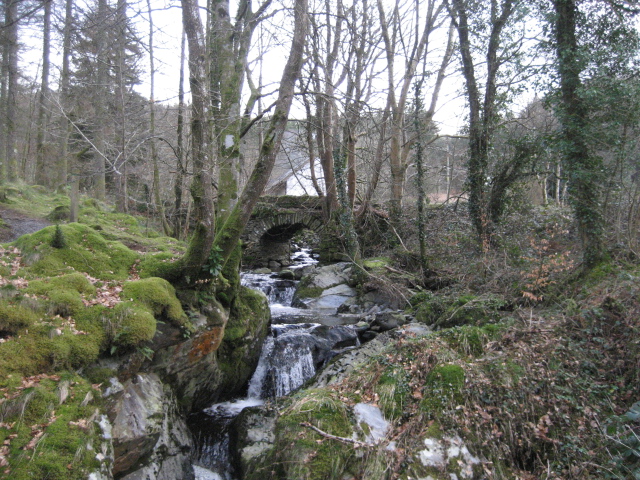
x,y
393,270
334,437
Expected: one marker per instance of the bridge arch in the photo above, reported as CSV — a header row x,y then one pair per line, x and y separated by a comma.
x,y
282,226
268,233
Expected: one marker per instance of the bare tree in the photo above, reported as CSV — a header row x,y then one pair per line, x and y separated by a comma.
x,y
9,89
42,175
484,103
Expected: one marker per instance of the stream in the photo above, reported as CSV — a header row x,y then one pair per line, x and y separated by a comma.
x,y
299,343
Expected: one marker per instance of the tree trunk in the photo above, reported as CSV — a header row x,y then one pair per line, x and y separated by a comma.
x,y
64,166
190,267
481,112
180,160
229,235
42,177
99,174
10,67
582,166
152,130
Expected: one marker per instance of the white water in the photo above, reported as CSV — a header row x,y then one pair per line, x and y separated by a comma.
x,y
284,365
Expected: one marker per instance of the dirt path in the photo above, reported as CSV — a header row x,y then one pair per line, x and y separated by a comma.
x,y
18,223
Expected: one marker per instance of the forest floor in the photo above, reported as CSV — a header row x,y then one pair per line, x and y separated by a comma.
x,y
15,223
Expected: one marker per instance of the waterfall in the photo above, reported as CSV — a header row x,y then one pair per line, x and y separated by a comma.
x,y
290,354
286,362
278,291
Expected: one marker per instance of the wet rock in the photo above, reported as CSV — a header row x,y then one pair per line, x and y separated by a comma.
x,y
217,363
262,271
347,361
385,321
337,337
371,422
441,453
417,329
252,440
286,275
150,440
329,299
273,265
329,275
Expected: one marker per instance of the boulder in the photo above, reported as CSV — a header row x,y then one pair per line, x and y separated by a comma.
x,y
329,275
286,274
215,365
385,321
150,439
325,288
339,367
252,440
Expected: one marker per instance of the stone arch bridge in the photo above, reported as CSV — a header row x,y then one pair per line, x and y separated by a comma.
x,y
274,221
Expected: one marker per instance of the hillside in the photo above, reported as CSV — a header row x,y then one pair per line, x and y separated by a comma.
x,y
532,370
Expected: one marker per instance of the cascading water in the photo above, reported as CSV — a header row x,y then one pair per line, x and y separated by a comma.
x,y
286,362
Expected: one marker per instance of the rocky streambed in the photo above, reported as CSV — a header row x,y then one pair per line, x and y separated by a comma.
x,y
315,320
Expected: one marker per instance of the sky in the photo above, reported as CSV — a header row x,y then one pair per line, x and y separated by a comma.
x,y
450,115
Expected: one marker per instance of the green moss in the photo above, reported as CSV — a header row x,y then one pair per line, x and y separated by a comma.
x,y
308,455
87,251
428,307
80,350
94,321
159,296
73,281
68,440
249,311
447,312
392,390
443,389
309,292
14,318
47,348
157,265
65,302
131,325
25,355
77,281
263,210
39,404
59,213
471,340
99,374
376,263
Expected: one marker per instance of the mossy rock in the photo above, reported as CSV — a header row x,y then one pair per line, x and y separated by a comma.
x,y
14,318
131,325
65,303
86,251
428,307
157,264
249,310
59,214
93,321
308,292
392,389
443,389
376,263
303,454
73,281
446,312
159,296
